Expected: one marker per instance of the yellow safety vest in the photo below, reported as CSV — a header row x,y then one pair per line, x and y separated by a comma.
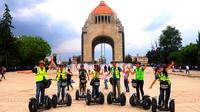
x,y
41,74
95,74
61,75
116,72
162,77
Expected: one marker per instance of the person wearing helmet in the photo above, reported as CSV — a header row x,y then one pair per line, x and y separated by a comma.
x,y
165,84
82,76
40,77
61,77
139,77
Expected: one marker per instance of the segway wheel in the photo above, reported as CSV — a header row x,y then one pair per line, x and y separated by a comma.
x,y
77,95
154,105
101,98
33,105
146,103
48,103
54,101
88,99
109,98
131,101
122,99
172,106
68,99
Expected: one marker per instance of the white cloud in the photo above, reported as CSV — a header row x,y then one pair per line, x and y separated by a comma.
x,y
69,46
135,16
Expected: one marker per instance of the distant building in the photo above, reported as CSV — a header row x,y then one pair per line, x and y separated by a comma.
x,y
142,59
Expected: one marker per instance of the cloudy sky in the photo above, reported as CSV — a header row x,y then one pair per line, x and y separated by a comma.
x,y
60,21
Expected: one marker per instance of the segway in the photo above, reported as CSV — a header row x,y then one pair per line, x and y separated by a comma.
x,y
112,99
67,99
99,99
46,103
80,94
155,106
145,103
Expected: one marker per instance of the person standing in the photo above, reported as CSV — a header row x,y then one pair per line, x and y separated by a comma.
x,y
95,82
69,77
115,72
187,70
126,76
2,72
82,77
40,78
105,78
165,85
139,77
61,77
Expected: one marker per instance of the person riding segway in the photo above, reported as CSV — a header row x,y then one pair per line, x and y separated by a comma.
x,y
42,82
165,90
61,83
81,93
115,82
138,83
97,96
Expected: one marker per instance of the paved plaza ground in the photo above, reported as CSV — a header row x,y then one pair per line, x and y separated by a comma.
x,y
18,87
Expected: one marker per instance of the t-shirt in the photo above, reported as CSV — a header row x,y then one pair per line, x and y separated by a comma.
x,y
187,68
105,75
126,76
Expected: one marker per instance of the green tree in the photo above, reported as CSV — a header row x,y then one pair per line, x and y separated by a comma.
x,y
128,59
170,41
32,49
189,54
176,56
6,38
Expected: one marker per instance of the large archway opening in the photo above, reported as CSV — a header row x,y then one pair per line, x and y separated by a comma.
x,y
103,49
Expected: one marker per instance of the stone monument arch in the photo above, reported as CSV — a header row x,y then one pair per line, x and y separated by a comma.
x,y
102,26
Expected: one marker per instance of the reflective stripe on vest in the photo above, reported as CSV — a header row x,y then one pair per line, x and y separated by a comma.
x,y
162,77
61,75
116,72
41,74
139,73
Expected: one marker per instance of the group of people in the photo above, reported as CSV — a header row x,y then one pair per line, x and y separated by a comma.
x,y
41,76
115,71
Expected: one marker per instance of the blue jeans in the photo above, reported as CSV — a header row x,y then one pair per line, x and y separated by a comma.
x,y
59,90
95,91
106,83
40,89
126,85
167,95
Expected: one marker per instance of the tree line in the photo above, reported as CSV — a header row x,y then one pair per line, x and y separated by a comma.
x,y
21,50
169,47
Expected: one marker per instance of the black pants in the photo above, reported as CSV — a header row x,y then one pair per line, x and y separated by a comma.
x,y
187,72
164,96
2,76
69,83
139,88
